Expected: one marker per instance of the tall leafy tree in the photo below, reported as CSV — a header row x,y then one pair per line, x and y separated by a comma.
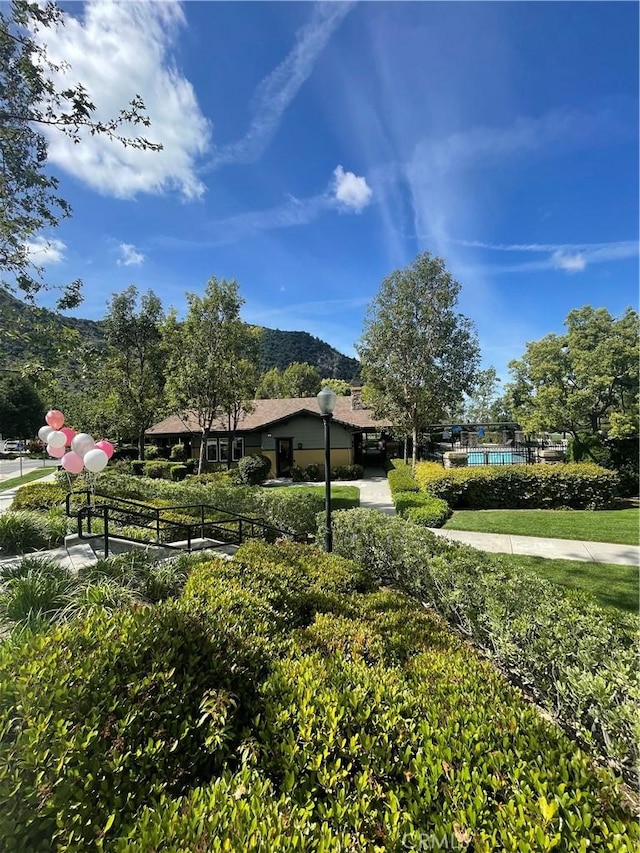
x,y
201,352
29,100
22,410
242,378
484,402
586,379
134,367
301,380
419,356
271,385
339,386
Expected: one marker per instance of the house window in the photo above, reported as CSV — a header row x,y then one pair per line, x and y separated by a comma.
x,y
218,450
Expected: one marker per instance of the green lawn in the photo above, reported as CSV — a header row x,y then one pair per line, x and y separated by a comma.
x,y
620,525
342,497
14,482
612,586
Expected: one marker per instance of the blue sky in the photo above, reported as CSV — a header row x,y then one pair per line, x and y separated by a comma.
x,y
311,149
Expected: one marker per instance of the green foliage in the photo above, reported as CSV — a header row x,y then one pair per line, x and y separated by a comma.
x,y
339,386
618,454
253,470
587,378
401,479
347,472
421,509
198,352
280,348
577,486
22,410
30,97
133,367
178,453
283,706
578,659
157,469
24,530
39,496
131,704
418,354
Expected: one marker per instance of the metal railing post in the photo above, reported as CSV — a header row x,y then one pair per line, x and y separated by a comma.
x,y
202,521
106,531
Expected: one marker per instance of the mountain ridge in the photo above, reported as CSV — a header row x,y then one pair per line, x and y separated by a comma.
x,y
277,348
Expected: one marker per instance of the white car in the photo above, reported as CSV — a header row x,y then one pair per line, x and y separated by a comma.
x,y
13,446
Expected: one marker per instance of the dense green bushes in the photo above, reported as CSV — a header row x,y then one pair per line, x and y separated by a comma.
x,y
578,486
253,470
314,473
280,706
22,531
39,496
577,659
410,502
113,711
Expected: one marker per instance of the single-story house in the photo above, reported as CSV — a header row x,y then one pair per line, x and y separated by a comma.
x,y
288,431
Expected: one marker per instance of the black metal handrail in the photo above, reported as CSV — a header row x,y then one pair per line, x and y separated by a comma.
x,y
231,529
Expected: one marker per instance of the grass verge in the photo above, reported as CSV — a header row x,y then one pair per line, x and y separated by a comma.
x,y
621,526
342,497
14,482
611,585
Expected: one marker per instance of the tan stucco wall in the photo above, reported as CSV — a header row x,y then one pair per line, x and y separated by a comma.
x,y
339,456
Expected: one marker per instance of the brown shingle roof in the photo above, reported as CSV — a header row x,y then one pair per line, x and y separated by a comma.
x,y
267,412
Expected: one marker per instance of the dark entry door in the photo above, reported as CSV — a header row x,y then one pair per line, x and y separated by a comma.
x,y
284,456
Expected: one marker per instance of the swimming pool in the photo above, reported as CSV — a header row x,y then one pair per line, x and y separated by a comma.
x,y
496,457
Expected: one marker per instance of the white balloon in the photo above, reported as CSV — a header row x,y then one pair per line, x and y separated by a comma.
x,y
95,460
44,432
82,443
56,438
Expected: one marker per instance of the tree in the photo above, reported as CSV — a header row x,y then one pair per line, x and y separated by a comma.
x,y
339,386
301,380
418,355
22,410
30,100
135,360
271,386
483,404
585,379
201,352
242,378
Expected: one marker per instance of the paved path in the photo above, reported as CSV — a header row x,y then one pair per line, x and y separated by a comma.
x,y
375,494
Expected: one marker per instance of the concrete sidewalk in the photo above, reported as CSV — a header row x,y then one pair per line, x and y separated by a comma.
x,y
551,549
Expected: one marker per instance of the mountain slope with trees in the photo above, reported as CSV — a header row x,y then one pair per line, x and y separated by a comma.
x,y
26,333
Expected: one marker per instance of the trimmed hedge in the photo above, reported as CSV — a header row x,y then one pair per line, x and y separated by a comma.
x,y
253,470
572,485
401,479
579,660
422,509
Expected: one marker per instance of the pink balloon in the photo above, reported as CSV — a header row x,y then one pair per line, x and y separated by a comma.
x,y
57,452
70,433
105,445
72,463
54,418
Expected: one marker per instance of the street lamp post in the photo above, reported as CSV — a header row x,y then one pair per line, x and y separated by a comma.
x,y
326,401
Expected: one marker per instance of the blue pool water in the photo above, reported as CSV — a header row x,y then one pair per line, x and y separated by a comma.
x,y
495,457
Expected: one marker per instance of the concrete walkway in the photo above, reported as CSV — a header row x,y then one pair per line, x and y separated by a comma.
x,y
375,494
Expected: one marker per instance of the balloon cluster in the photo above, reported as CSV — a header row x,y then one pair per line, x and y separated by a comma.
x,y
84,452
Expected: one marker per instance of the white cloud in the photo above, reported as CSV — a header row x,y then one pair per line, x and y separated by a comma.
x,y
278,89
569,263
563,256
118,50
42,251
352,192
130,256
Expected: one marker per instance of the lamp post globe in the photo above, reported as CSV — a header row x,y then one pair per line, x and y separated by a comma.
x,y
326,403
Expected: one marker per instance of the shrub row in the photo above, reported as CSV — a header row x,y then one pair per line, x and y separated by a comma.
x,y
161,469
278,707
577,486
292,510
314,473
410,502
22,531
577,659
